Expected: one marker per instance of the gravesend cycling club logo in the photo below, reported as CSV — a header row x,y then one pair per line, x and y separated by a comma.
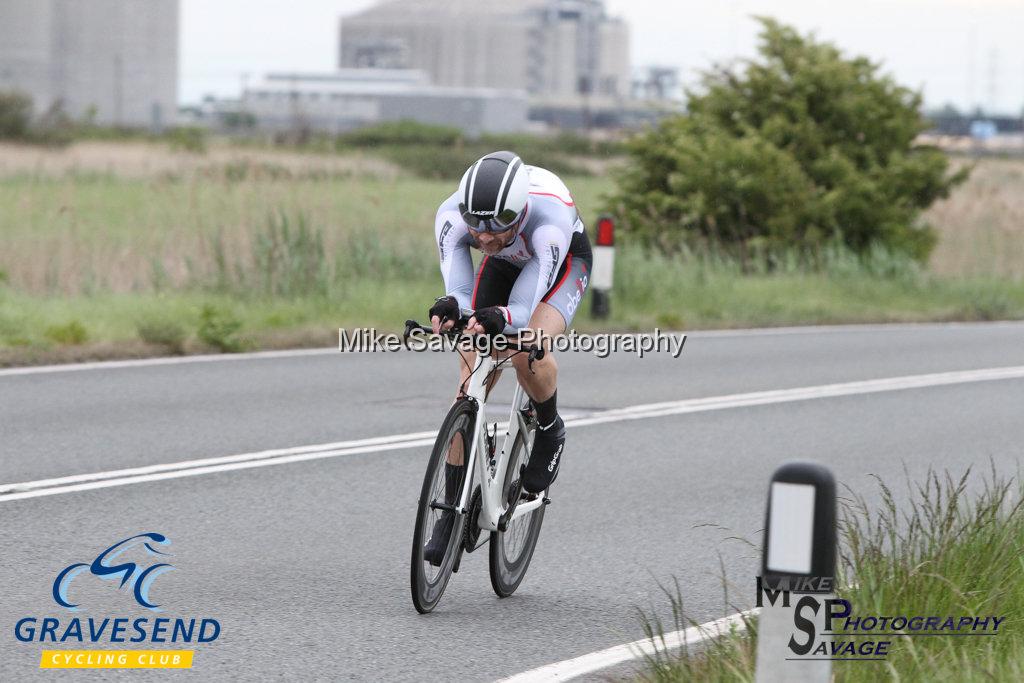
x,y
131,566
130,573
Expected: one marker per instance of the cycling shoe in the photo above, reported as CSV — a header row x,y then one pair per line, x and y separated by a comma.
x,y
546,458
436,547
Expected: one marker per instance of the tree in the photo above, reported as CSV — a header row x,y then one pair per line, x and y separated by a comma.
x,y
15,115
794,149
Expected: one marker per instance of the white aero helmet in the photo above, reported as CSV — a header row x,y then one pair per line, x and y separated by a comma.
x,y
494,191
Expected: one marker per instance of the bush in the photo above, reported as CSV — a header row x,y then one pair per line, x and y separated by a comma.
x,y
442,163
72,333
15,115
798,149
188,139
566,142
236,121
449,163
163,332
54,128
400,133
219,329
440,152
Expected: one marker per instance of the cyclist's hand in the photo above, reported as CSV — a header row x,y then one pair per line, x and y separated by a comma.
x,y
444,314
490,320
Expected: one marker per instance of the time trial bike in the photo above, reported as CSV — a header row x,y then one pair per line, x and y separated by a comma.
x,y
490,504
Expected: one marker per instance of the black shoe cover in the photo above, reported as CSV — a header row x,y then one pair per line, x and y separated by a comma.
x,y
546,458
439,537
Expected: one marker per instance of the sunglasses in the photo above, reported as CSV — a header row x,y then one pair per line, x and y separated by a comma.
x,y
500,223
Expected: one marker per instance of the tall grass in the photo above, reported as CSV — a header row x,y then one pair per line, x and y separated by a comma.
x,y
131,217
104,233
942,548
721,656
92,232
710,289
981,226
944,552
289,258
290,272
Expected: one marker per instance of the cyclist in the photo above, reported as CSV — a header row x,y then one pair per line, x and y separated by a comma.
x,y
535,269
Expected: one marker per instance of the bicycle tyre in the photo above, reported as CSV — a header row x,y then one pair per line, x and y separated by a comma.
x,y
426,592
507,573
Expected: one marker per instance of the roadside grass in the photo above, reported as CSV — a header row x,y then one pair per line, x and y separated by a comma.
x,y
171,322
704,292
84,233
723,657
126,243
287,289
947,551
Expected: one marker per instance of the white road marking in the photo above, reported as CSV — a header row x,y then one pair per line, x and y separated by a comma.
x,y
191,468
756,398
292,353
852,327
596,661
339,447
168,360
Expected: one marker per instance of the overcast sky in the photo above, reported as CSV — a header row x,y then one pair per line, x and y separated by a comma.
x,y
967,52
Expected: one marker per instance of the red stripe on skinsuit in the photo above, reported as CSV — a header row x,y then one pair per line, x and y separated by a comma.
x,y
548,194
568,267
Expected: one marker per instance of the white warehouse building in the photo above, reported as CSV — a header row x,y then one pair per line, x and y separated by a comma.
x,y
349,98
114,60
555,50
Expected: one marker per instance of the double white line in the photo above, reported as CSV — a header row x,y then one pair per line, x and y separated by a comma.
x,y
283,456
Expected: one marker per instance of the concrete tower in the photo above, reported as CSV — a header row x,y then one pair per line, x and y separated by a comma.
x,y
114,60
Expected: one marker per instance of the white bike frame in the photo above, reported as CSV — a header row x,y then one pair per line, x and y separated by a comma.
x,y
492,477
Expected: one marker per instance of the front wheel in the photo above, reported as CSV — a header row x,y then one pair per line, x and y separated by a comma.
x,y
453,442
511,550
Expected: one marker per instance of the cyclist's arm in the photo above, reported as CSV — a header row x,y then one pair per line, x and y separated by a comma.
x,y
549,245
456,262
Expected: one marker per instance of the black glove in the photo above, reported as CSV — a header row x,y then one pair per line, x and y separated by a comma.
x,y
492,319
446,308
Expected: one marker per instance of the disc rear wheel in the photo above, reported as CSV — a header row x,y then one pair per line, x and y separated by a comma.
x,y
511,550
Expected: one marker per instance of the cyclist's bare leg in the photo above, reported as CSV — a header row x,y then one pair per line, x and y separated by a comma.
x,y
540,384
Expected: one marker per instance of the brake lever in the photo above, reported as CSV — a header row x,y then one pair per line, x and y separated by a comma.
x,y
535,354
410,325
413,326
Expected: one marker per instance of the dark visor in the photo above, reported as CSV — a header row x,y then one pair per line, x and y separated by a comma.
x,y
500,223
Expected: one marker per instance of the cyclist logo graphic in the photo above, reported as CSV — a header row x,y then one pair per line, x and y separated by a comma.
x,y
140,579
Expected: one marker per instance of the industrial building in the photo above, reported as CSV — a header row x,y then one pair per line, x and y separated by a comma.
x,y
348,98
557,51
115,61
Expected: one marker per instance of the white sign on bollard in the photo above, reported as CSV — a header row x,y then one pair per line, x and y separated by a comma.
x,y
791,533
799,551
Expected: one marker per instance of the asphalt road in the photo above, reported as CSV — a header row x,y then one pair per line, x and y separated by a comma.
x,y
305,565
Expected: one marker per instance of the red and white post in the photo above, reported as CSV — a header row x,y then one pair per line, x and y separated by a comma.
x,y
604,267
